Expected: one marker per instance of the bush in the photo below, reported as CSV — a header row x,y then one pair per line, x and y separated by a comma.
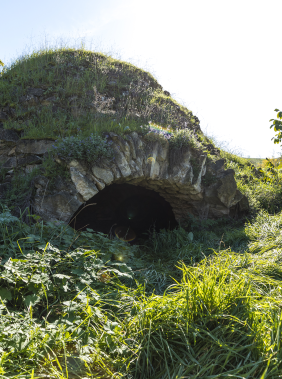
x,y
88,149
184,138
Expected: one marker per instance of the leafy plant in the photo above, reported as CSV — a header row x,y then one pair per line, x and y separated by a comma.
x,y
6,217
64,300
89,149
182,138
18,194
277,126
52,169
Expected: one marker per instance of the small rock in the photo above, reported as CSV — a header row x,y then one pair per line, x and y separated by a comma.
x,y
48,101
166,93
30,146
10,163
35,91
8,135
104,175
244,204
99,185
31,100
21,161
83,185
3,116
29,168
78,166
227,191
27,160
12,152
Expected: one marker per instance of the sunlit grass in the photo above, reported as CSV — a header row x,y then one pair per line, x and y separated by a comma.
x,y
67,309
84,90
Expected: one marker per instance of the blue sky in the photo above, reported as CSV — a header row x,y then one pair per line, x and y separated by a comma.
x,y
220,58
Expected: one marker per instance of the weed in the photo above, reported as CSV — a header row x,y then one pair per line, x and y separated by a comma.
x,y
183,138
64,300
89,149
51,169
19,193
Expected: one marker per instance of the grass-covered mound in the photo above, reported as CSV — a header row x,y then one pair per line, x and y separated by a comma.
x,y
75,98
200,301
63,92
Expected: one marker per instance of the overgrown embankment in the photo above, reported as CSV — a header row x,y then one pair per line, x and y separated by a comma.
x,y
202,300
59,93
68,308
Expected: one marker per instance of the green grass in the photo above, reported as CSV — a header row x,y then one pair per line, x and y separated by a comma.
x,y
86,92
178,308
262,186
256,161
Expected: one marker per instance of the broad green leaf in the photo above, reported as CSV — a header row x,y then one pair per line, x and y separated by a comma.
x,y
31,300
5,294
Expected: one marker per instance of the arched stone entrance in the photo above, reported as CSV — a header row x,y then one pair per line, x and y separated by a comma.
x,y
189,183
125,207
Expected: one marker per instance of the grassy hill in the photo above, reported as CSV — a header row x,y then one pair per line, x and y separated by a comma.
x,y
58,93
199,301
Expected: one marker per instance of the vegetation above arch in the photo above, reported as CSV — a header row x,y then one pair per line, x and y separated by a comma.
x,y
59,93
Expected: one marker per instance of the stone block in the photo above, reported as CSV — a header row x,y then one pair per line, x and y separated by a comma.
x,y
30,146
8,135
104,175
83,185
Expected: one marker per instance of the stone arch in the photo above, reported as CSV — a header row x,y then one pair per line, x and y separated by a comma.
x,y
125,206
189,184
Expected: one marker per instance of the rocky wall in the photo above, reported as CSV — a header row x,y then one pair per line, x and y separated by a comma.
x,y
188,182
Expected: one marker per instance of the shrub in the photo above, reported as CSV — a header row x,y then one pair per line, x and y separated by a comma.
x,y
90,148
176,139
184,138
6,217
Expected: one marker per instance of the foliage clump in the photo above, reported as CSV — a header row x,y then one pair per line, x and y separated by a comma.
x,y
184,138
261,185
89,149
64,301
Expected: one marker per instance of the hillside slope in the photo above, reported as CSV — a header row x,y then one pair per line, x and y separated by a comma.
x,y
59,93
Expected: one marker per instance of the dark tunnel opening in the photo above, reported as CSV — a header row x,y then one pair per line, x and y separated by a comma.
x,y
125,210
